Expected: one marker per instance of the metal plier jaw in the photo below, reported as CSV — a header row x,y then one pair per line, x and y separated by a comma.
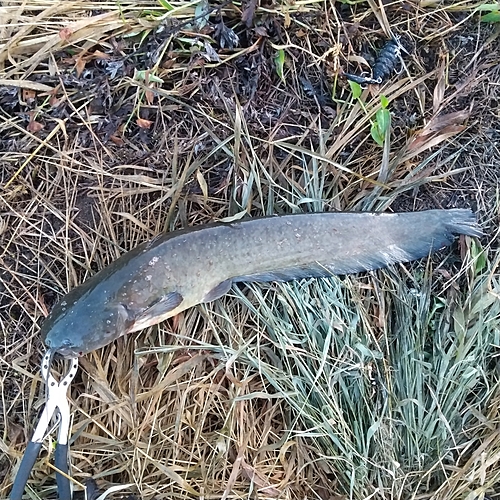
x,y
57,403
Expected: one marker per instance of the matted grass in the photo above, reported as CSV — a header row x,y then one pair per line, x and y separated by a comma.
x,y
112,130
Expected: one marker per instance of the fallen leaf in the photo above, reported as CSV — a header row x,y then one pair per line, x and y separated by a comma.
x,y
210,53
248,13
54,101
15,433
203,184
261,31
439,122
100,55
168,64
26,84
65,34
288,19
263,484
33,125
28,95
116,140
440,88
141,122
43,306
80,65
149,96
329,112
438,129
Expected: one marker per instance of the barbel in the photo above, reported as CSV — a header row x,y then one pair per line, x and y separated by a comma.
x,y
180,269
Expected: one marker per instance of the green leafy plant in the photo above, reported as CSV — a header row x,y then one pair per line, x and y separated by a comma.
x,y
479,257
143,76
279,61
491,17
382,122
355,89
166,5
493,13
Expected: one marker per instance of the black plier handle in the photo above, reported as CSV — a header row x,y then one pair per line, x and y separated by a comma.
x,y
57,402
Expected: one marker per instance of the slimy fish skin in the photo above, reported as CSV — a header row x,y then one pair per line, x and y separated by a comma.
x,y
177,270
384,65
386,60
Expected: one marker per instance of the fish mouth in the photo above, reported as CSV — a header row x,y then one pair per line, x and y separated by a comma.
x,y
67,350
69,353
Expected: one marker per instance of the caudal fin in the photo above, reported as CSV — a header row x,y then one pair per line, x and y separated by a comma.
x,y
462,221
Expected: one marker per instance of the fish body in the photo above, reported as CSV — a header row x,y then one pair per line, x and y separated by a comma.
x,y
385,64
180,269
386,60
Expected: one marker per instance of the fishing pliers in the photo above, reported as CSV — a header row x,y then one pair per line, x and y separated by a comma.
x,y
57,401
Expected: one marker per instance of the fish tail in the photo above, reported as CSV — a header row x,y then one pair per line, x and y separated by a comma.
x,y
462,221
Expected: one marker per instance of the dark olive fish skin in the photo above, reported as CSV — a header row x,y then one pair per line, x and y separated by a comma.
x,y
384,65
178,270
386,61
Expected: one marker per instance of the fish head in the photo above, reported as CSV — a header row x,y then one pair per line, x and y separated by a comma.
x,y
78,325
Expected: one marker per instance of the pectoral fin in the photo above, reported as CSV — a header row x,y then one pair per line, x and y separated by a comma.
x,y
217,292
158,310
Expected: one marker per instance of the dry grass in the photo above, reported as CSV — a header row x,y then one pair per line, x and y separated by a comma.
x,y
378,386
